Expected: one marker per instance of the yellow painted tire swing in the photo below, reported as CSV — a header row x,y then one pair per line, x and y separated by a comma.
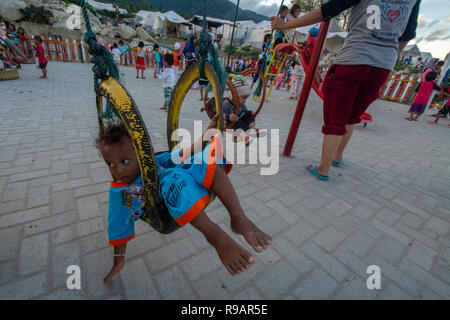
x,y
155,211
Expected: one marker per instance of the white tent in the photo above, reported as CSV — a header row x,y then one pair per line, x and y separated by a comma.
x,y
242,31
335,36
426,57
170,23
257,36
105,6
147,18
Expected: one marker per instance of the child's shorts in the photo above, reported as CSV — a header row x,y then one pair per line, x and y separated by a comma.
x,y
42,65
185,187
444,110
203,82
415,107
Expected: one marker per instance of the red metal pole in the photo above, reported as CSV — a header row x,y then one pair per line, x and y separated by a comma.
x,y
306,89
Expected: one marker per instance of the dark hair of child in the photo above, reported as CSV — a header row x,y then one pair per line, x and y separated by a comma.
x,y
38,38
283,9
432,75
115,45
121,42
112,133
296,6
440,63
168,57
141,44
155,47
21,30
12,26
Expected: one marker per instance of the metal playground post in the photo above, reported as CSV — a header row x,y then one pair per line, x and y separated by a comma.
x,y
312,69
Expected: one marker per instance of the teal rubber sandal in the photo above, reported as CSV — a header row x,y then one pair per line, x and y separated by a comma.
x,y
336,163
314,172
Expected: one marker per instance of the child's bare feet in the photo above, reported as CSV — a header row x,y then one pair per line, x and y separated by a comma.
x,y
257,239
235,258
118,265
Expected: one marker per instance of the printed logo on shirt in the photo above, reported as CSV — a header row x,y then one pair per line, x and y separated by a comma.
x,y
395,13
388,20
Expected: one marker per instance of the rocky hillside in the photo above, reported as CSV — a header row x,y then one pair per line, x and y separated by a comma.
x,y
57,18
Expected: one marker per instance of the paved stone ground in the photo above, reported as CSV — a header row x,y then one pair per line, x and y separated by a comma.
x,y
388,205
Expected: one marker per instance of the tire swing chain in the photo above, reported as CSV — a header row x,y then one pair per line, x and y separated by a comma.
x,y
120,105
104,65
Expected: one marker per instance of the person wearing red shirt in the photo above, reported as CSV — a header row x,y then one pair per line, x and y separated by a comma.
x,y
41,56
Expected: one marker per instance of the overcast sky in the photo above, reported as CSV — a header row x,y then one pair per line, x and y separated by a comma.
x,y
433,33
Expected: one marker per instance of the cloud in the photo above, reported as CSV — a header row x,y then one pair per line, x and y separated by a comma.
x,y
438,34
448,18
432,23
421,21
259,6
438,49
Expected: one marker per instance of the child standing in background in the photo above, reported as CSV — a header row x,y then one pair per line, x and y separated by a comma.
x,y
444,110
41,57
156,59
168,77
140,60
297,76
424,91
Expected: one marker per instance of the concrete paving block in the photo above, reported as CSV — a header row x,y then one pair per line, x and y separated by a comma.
x,y
88,207
137,282
361,244
36,285
33,254
422,255
277,280
167,255
64,256
173,285
10,239
317,286
325,261
387,216
356,289
329,238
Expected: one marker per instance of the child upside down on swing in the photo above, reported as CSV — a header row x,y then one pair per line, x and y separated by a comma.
x,y
184,184
245,119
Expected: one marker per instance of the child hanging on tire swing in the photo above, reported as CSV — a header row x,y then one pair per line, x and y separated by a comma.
x,y
245,119
185,179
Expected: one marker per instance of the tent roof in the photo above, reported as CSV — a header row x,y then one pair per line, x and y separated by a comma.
x,y
173,17
411,47
263,24
212,22
144,13
105,6
247,23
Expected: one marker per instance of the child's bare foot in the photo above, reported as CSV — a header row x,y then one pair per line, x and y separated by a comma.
x,y
257,239
235,258
118,265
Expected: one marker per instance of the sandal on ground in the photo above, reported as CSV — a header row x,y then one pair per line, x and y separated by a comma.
x,y
314,172
336,163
